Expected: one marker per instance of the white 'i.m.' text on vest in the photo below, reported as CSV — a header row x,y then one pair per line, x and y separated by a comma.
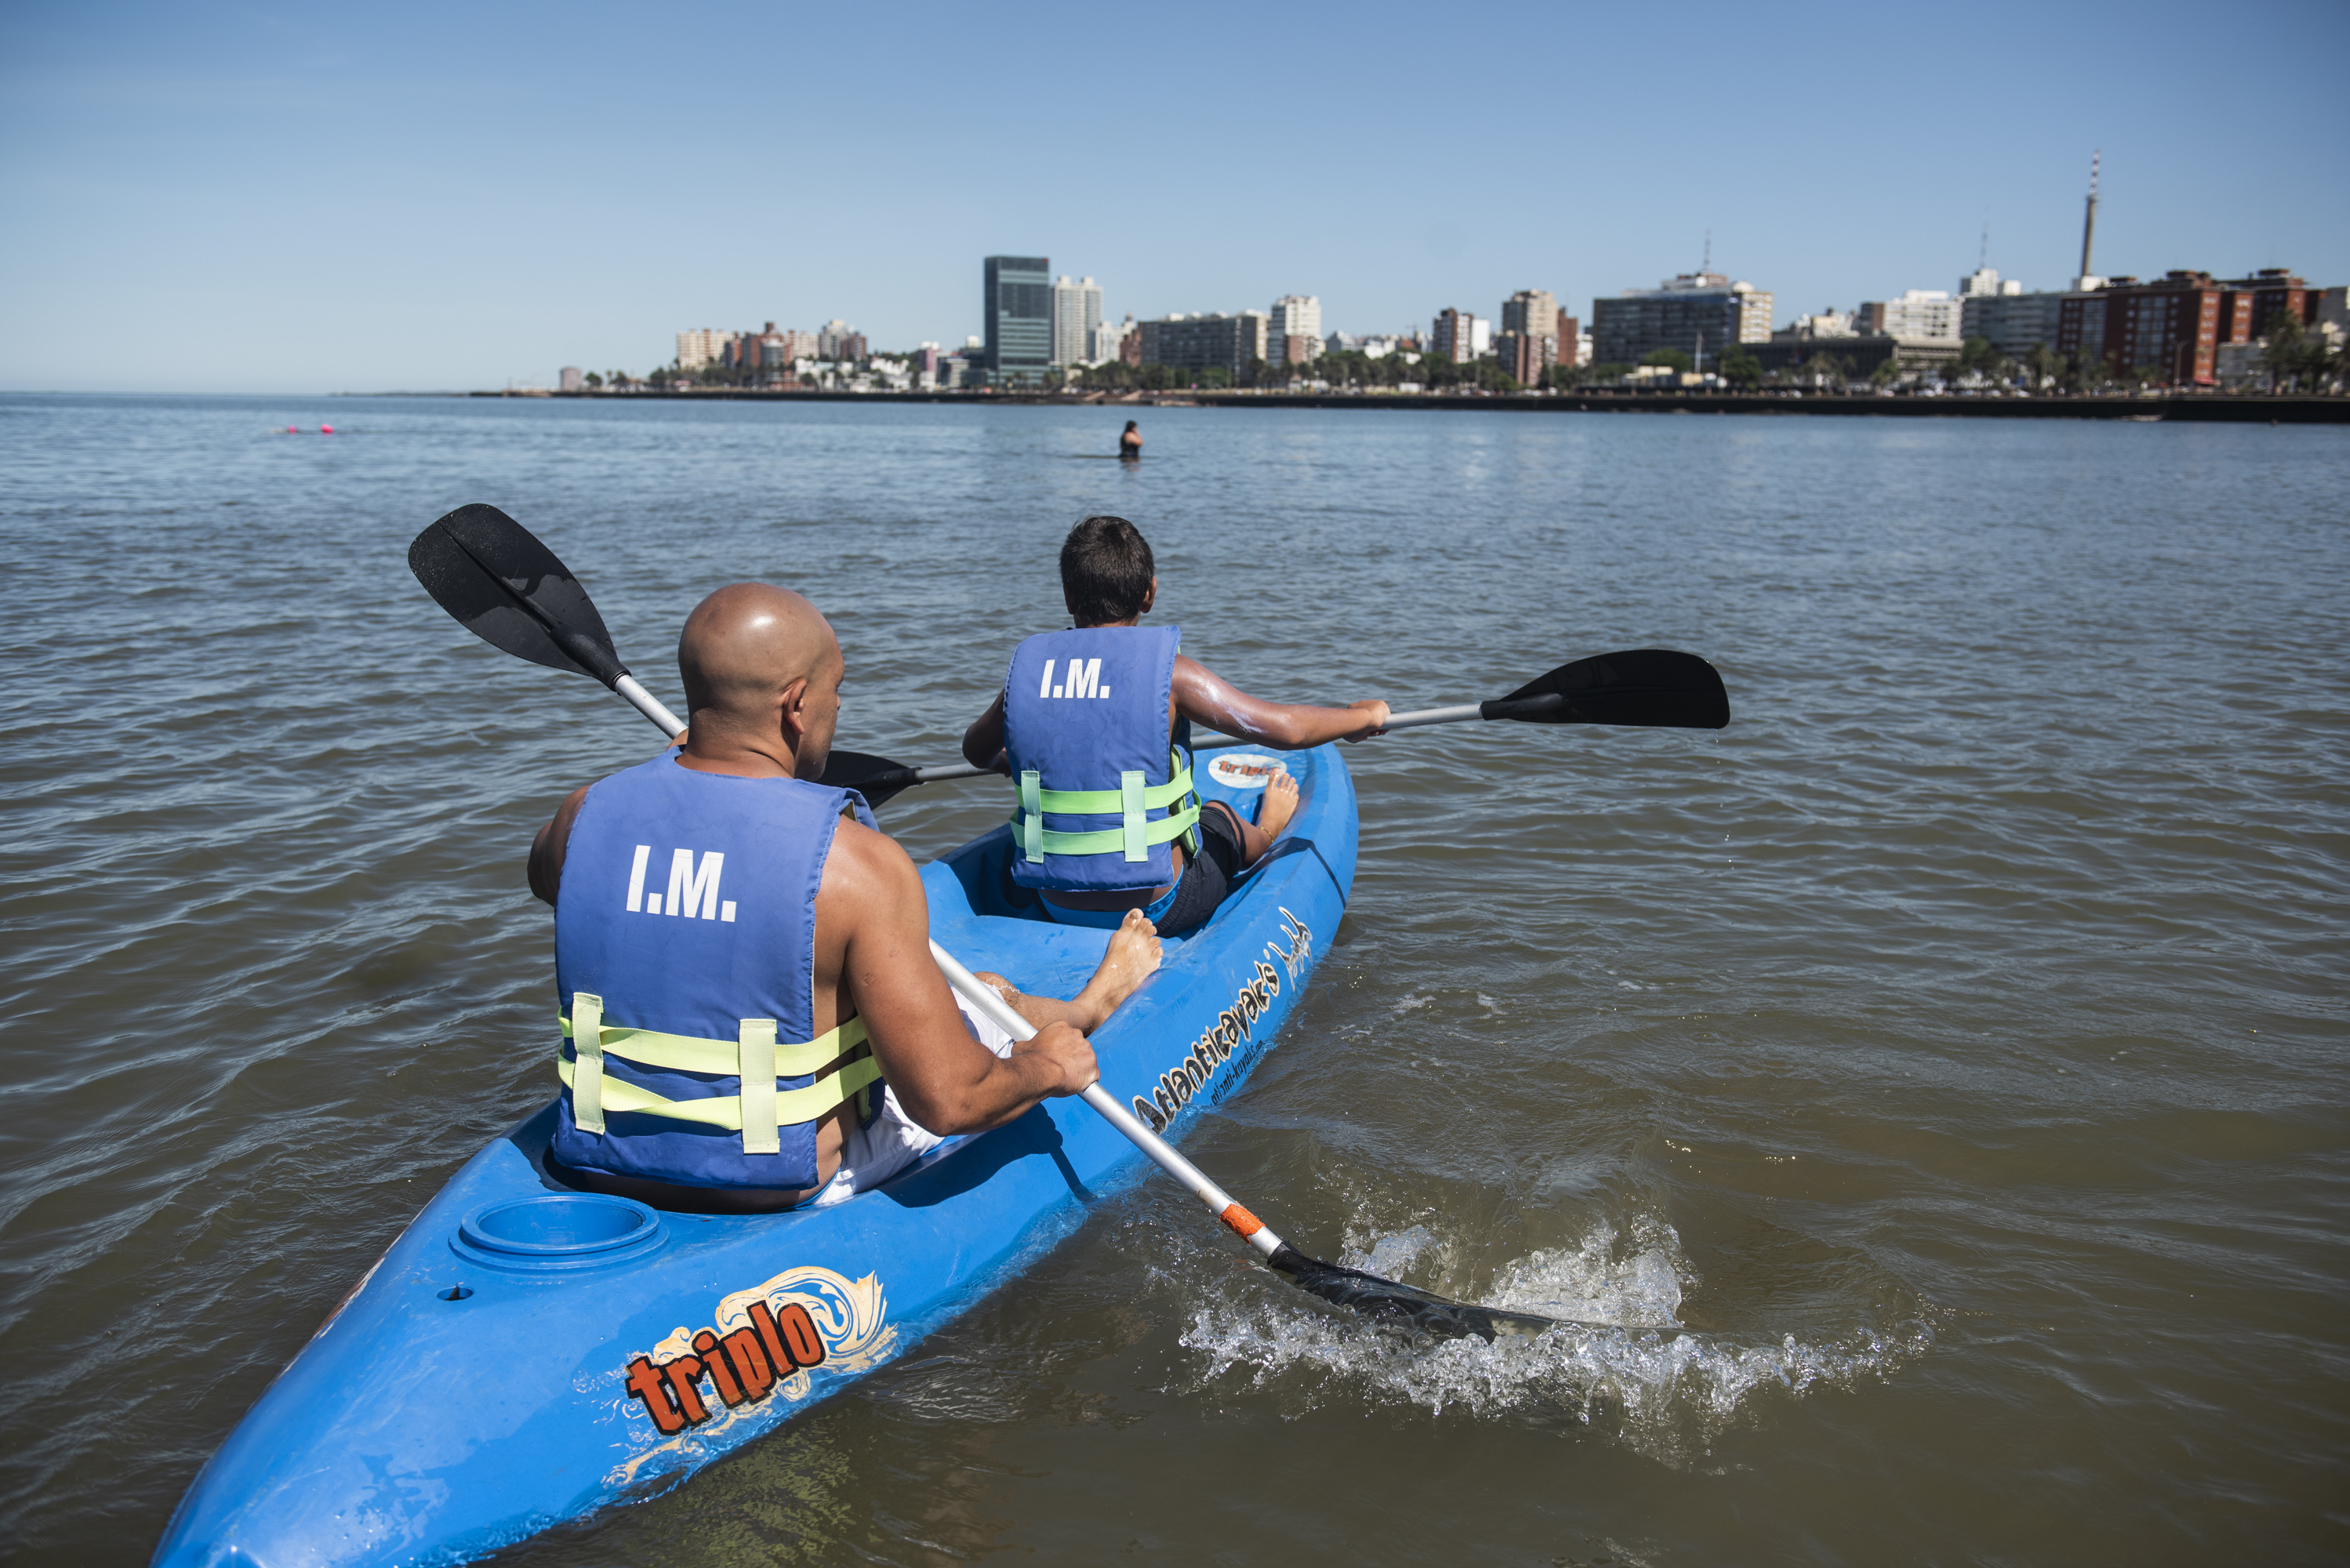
x,y
692,886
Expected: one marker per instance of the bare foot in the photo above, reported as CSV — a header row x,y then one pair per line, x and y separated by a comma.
x,y
1280,804
1133,957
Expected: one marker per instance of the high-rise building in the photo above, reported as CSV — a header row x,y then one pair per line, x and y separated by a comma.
x,y
2259,300
570,380
1930,313
703,345
1532,334
1985,280
749,350
2175,326
2012,321
1294,316
1700,313
1107,341
1017,305
1461,337
1202,342
831,339
2170,327
1076,318
1531,311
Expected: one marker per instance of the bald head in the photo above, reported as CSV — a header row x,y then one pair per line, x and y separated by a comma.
x,y
760,665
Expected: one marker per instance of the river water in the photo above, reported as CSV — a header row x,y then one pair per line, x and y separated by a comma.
x,y
1958,1040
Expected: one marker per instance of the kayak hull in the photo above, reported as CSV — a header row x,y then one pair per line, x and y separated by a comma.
x,y
524,1355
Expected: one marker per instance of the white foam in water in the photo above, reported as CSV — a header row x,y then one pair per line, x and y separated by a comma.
x,y
1666,1397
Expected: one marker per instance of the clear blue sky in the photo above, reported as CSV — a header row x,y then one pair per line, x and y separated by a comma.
x,y
317,197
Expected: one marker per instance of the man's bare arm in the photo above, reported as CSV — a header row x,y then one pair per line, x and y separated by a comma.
x,y
548,849
945,1080
1206,698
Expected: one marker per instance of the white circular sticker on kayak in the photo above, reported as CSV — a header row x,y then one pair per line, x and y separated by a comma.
x,y
1244,770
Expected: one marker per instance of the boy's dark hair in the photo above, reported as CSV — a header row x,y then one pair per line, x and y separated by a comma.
x,y
1106,570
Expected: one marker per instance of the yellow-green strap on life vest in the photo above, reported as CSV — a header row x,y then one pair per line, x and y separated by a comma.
x,y
588,1099
1133,837
755,1055
1112,840
693,1054
792,1107
1107,802
752,1056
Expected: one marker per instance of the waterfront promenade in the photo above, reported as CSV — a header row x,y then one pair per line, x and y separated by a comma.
x,y
2202,408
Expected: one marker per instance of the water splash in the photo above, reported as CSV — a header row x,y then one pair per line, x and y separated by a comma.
x,y
1666,1397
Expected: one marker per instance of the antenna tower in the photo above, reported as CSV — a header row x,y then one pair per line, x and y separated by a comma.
x,y
2089,222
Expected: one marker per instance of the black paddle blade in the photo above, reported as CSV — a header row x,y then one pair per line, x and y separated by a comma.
x,y
508,589
875,778
1651,686
1404,1306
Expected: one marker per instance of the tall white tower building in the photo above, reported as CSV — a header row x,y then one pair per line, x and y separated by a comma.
x,y
1296,319
1076,318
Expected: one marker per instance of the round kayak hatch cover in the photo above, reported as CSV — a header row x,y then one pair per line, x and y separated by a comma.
x,y
1244,770
557,1231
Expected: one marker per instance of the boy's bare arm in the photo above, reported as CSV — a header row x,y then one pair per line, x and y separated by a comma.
x,y
1206,698
982,744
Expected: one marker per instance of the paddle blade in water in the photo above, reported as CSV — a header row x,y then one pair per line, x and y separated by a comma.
x,y
1403,1305
508,589
875,778
1648,686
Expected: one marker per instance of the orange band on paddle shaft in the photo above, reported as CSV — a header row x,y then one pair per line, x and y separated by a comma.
x,y
1242,1222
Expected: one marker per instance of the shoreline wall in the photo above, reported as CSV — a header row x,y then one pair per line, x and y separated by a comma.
x,y
2196,408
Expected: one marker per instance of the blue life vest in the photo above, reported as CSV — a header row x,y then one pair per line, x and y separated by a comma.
x,y
685,972
1102,791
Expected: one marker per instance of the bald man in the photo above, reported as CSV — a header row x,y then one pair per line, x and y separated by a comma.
x,y
740,971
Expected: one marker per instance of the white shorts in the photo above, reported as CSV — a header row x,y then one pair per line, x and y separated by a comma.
x,y
874,1154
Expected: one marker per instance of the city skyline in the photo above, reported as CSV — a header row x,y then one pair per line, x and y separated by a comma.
x,y
305,201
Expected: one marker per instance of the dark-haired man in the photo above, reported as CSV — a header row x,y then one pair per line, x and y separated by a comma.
x,y
1089,724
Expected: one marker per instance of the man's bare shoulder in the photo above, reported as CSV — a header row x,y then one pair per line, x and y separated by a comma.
x,y
863,860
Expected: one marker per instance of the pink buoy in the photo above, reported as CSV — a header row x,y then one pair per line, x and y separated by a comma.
x,y
326,430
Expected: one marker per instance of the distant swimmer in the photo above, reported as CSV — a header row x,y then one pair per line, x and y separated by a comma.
x,y
1129,445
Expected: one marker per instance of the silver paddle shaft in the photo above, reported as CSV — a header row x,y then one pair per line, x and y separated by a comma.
x,y
1252,1230
1458,713
650,706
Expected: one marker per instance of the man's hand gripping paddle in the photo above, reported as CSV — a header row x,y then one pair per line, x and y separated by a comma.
x,y
500,583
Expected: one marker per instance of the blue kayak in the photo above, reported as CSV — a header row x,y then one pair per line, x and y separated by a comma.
x,y
525,1352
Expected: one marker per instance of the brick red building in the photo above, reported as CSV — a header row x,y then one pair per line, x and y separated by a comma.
x,y
2174,325
2170,327
2257,301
